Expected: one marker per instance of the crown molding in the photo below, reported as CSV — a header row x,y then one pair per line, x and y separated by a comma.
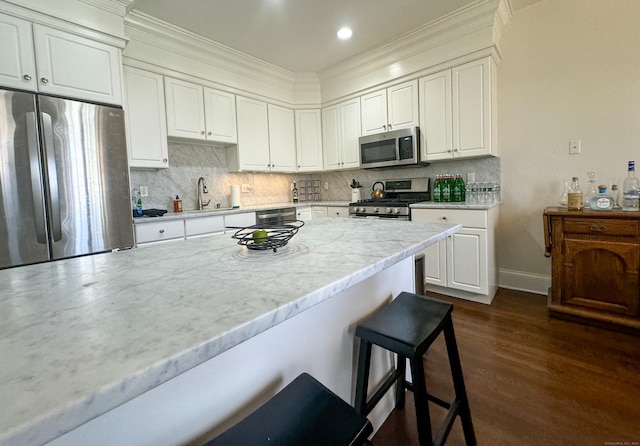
x,y
474,28
189,53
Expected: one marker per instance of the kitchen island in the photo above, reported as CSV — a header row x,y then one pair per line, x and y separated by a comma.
x,y
172,343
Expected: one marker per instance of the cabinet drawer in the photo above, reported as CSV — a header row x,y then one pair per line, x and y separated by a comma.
x,y
162,230
234,221
601,226
465,217
204,225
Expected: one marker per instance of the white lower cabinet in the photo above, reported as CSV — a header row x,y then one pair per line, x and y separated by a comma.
x,y
318,212
159,231
330,212
196,227
462,265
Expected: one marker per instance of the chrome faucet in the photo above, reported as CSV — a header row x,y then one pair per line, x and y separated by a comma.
x,y
202,189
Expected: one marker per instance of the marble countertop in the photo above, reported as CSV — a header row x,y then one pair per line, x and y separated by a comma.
x,y
435,205
81,336
240,210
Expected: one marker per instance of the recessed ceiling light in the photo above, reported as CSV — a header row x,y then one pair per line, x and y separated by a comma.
x,y
344,33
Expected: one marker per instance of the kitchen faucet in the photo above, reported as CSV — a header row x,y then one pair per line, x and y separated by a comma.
x,y
202,189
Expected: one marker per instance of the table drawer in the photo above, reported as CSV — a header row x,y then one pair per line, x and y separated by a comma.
x,y
601,226
157,231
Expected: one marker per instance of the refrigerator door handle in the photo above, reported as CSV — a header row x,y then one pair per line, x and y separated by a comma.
x,y
52,176
36,181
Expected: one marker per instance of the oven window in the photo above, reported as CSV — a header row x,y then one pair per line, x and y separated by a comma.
x,y
374,152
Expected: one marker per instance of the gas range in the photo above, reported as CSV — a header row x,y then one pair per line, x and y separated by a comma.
x,y
399,194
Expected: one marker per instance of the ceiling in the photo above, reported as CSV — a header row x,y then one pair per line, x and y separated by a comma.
x,y
300,35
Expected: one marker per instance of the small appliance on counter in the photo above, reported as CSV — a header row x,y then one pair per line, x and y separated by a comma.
x,y
394,200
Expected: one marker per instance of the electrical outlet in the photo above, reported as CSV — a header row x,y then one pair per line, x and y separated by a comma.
x,y
326,185
247,188
144,191
575,147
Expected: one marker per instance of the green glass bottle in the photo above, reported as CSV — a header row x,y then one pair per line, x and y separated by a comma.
x,y
437,189
446,189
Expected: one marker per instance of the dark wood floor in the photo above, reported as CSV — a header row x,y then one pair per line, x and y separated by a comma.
x,y
532,379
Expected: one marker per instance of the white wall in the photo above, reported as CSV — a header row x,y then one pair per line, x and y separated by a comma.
x,y
570,70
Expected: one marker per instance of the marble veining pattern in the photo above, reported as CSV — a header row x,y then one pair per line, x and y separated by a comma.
x,y
81,336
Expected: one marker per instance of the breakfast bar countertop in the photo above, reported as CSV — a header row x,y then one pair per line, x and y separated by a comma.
x,y
79,337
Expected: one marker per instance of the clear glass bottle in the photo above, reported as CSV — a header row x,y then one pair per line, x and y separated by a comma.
x,y
630,189
574,196
601,201
592,189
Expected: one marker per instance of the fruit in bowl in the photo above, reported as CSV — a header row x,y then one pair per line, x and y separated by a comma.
x,y
260,236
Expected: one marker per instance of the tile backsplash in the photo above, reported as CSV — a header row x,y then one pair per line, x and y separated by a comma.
x,y
188,162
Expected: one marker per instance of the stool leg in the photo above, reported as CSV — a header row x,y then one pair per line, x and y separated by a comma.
x,y
458,382
423,420
401,366
362,381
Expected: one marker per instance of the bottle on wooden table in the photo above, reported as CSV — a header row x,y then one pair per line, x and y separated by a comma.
x,y
630,189
574,196
601,201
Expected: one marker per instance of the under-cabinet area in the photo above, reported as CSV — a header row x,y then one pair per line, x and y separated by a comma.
x,y
595,265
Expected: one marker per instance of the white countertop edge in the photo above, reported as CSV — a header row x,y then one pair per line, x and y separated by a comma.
x,y
82,410
435,205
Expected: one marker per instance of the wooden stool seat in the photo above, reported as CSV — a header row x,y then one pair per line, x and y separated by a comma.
x,y
408,326
303,413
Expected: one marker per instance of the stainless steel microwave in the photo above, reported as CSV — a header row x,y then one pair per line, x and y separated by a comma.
x,y
396,148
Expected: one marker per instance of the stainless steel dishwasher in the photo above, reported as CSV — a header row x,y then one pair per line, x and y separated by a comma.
x,y
276,216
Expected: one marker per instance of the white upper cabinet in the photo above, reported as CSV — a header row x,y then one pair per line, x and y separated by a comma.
x,y
341,129
17,64
185,109
282,139
146,123
457,112
200,113
77,67
220,116
47,60
390,109
309,140
253,136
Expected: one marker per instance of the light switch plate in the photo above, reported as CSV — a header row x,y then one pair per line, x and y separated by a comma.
x,y
575,147
144,191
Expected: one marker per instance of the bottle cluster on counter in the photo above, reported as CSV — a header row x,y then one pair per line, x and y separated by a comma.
x,y
450,188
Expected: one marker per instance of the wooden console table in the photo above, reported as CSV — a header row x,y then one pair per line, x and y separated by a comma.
x,y
595,267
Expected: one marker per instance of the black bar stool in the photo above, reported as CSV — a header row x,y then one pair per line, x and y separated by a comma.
x,y
303,413
408,326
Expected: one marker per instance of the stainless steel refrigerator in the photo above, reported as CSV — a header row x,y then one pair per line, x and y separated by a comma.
x,y
64,179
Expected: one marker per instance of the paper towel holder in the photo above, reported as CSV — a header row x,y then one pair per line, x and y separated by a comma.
x,y
235,196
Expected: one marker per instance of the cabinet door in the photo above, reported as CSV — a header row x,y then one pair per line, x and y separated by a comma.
x,y
331,141
471,85
402,107
185,109
77,67
159,231
220,116
282,139
146,119
601,275
308,140
17,64
435,117
253,134
435,263
467,260
374,112
350,131
304,214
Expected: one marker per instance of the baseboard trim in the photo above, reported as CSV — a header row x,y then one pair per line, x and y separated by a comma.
x,y
523,281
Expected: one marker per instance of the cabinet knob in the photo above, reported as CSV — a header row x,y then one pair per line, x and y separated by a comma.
x,y
598,227
26,77
444,218
161,231
44,80
208,133
384,127
389,126
164,160
202,132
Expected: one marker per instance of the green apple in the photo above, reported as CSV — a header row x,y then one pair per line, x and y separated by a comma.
x,y
260,236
